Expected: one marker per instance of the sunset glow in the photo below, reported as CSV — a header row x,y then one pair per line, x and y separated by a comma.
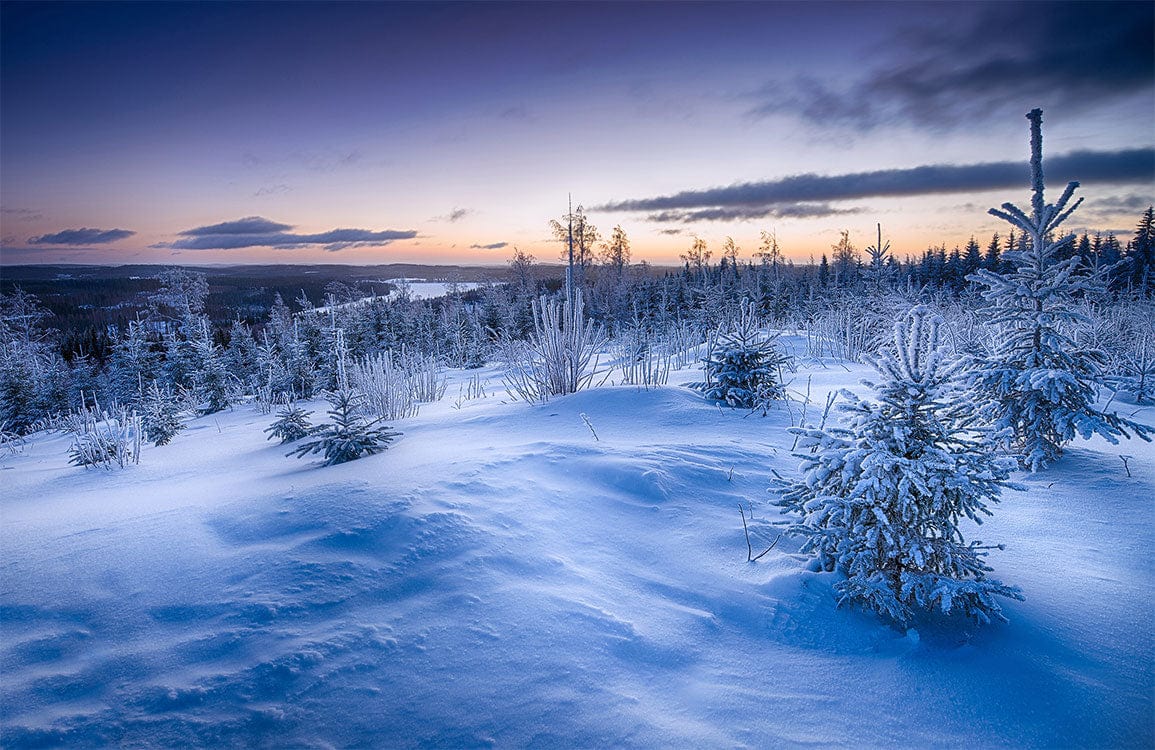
x,y
453,132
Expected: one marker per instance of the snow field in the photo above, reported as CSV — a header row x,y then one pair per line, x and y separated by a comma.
x,y
500,577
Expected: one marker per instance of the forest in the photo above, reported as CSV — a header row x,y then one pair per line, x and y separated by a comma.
x,y
77,333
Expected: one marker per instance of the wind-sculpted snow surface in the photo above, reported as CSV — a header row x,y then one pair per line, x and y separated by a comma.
x,y
501,577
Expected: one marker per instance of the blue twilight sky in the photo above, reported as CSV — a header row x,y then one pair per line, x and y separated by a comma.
x,y
452,132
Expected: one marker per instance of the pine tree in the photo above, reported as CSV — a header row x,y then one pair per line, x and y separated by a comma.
x,y
242,356
878,272
292,424
744,368
160,415
993,259
215,385
1039,386
1142,254
132,364
349,437
881,499
31,385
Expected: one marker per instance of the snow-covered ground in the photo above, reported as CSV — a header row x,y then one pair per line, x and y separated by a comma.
x,y
422,289
502,577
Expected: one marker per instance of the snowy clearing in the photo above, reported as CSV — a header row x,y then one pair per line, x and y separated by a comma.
x,y
502,577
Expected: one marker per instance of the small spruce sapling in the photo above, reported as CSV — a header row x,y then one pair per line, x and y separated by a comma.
x,y
881,499
744,368
349,437
292,424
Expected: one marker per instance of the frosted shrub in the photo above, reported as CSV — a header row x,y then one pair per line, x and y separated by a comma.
x,y
560,355
349,436
1133,373
684,342
1038,385
853,324
11,442
385,386
744,367
292,424
106,441
425,380
642,360
881,499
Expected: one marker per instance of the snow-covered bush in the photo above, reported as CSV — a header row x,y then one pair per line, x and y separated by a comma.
x,y
642,359
424,377
560,355
106,440
292,424
684,341
349,437
11,442
160,414
1134,375
385,385
1039,386
1127,332
744,367
881,499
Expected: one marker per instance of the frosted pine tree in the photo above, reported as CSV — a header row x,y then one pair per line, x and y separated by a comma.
x,y
160,414
292,424
349,436
881,499
1038,385
215,385
744,367
132,364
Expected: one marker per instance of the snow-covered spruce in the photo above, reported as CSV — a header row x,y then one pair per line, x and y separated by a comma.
x,y
881,499
744,367
349,437
160,414
1038,385
292,424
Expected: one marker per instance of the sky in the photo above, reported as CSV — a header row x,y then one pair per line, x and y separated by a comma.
x,y
454,132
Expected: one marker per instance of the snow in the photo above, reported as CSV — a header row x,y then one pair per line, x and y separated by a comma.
x,y
422,289
501,577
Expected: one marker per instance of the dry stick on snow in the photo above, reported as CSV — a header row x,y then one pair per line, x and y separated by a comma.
x,y
749,548
589,425
801,419
1126,467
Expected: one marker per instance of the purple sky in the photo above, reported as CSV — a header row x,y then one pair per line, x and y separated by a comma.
x,y
375,132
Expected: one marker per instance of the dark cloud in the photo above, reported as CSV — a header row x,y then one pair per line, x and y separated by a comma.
x,y
247,225
1110,207
328,160
742,213
278,189
454,216
517,113
1074,56
22,214
1130,202
255,231
83,236
491,246
808,195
